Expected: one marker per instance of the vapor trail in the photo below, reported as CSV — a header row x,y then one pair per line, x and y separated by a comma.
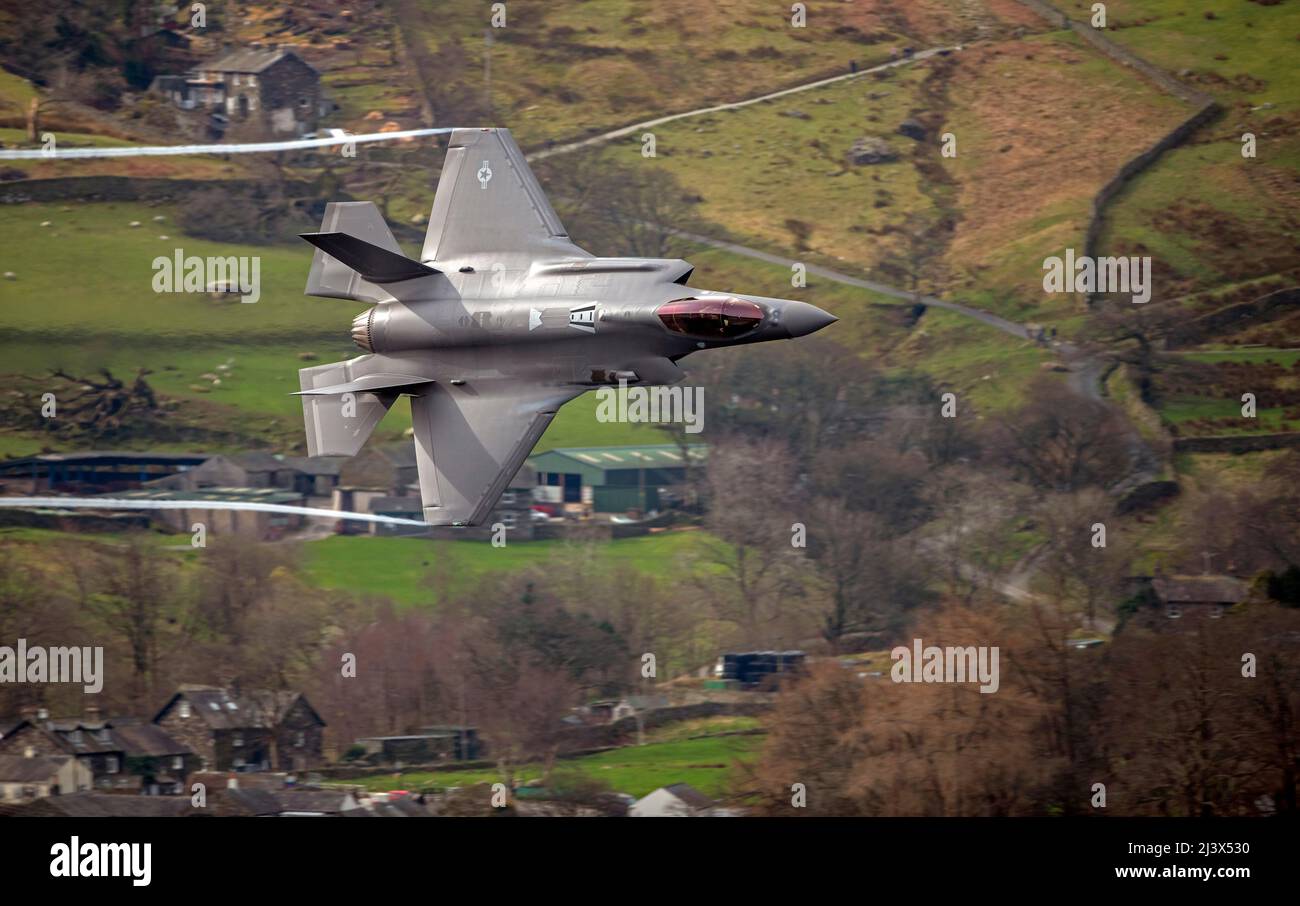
x,y
118,503
339,138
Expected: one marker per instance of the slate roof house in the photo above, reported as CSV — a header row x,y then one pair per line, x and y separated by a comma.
x,y
677,800
252,730
384,468
23,779
1198,596
101,805
269,87
254,469
315,476
120,754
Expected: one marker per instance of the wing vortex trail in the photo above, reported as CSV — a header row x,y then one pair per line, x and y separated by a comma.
x,y
241,148
119,503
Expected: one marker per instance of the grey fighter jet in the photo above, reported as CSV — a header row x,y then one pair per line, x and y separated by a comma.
x,y
500,323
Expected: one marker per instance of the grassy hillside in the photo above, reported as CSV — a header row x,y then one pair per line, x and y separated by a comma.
x,y
417,572
569,69
1241,220
708,764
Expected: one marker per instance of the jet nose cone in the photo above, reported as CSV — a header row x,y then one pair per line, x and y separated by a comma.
x,y
800,319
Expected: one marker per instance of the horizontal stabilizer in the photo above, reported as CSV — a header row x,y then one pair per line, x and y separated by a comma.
x,y
331,278
374,264
370,382
338,421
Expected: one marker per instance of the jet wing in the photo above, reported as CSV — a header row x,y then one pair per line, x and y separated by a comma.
x,y
490,206
470,442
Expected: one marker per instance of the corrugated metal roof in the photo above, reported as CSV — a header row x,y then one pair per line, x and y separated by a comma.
x,y
629,457
91,457
258,495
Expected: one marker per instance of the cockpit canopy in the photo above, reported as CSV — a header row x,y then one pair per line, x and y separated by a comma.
x,y
717,317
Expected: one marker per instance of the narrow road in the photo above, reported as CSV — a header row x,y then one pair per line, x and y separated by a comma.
x,y
992,320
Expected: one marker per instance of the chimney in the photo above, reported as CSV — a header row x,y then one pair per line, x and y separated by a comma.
x,y
93,714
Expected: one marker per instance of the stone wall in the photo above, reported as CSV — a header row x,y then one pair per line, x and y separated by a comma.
x,y
1229,316
1206,109
124,188
1237,443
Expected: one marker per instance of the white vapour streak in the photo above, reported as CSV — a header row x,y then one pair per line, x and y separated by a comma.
x,y
118,503
339,138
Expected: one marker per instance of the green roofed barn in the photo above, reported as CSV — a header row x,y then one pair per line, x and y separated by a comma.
x,y
616,479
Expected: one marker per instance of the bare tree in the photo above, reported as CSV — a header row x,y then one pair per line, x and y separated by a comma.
x,y
1062,441
130,589
1083,571
869,580
753,567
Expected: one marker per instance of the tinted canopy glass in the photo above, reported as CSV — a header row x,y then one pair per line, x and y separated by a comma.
x,y
713,318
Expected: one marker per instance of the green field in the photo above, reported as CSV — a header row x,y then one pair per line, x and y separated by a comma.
x,y
1238,222
1287,358
979,363
759,167
416,570
1254,40
708,764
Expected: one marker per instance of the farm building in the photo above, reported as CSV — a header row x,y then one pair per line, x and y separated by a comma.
x,y
616,479
26,778
254,524
310,477
1199,596
385,482
430,744
677,800
269,87
92,472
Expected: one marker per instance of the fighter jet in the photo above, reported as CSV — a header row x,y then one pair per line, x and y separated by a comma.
x,y
500,322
